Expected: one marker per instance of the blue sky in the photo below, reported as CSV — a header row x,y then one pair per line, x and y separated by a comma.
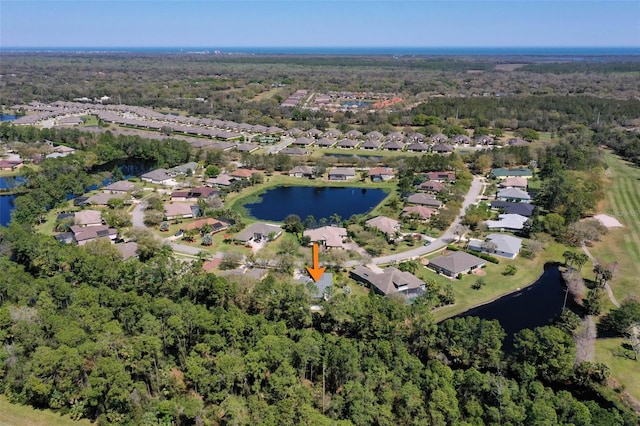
x,y
306,23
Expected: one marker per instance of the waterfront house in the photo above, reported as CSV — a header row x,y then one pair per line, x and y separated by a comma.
x,y
456,263
328,236
503,245
342,173
259,231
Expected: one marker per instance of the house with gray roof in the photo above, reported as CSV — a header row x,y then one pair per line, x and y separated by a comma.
x,y
442,148
461,140
514,182
507,222
302,171
178,211
83,235
128,250
391,281
418,147
342,173
394,146
158,176
293,151
371,145
325,143
502,173
353,134
120,187
348,143
259,231
424,200
431,186
184,169
456,263
514,195
523,209
503,245
102,199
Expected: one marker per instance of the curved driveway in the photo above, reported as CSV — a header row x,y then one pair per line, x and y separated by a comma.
x,y
449,235
138,222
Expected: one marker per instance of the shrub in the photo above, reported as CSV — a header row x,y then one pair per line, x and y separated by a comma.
x,y
510,270
484,256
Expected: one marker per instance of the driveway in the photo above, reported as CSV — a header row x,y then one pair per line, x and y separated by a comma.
x,y
477,188
137,219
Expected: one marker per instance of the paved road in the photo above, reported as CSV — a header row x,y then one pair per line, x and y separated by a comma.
x,y
284,142
477,187
138,222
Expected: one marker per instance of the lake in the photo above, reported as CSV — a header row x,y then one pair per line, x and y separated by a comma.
x,y
6,201
320,202
534,306
7,117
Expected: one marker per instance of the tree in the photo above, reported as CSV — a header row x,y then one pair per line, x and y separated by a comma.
x,y
479,283
230,260
293,224
212,171
548,350
593,302
116,174
621,319
207,239
554,224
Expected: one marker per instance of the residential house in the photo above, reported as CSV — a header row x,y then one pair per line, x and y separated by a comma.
x,y
332,134
442,176
431,186
417,147
342,173
258,231
503,245
484,140
325,143
442,148
424,200
302,171
10,165
348,143
321,288
353,134
158,176
243,174
313,133
378,174
507,222
328,236
384,224
222,180
502,173
371,145
514,182
439,138
86,218
178,211
456,263
83,235
517,142
374,136
293,151
424,213
247,147
184,169
513,195
461,140
394,146
215,224
102,199
303,142
391,281
120,187
522,209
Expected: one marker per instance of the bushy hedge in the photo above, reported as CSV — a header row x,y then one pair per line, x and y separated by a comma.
x,y
484,256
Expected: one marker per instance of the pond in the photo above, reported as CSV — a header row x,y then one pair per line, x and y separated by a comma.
x,y
6,207
320,202
534,306
7,117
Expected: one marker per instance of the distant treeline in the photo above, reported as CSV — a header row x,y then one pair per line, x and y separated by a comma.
x,y
583,67
543,113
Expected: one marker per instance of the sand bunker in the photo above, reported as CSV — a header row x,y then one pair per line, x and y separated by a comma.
x,y
608,221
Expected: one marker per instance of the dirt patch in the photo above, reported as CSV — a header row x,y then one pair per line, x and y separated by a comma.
x,y
608,221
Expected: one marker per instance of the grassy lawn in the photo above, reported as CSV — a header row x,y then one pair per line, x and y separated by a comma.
x,y
22,415
497,284
622,245
624,370
90,120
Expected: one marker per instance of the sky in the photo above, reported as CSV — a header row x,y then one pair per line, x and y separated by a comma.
x,y
320,23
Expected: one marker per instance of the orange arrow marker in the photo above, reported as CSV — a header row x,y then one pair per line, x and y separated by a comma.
x,y
315,271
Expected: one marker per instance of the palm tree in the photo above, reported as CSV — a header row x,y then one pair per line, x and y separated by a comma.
x,y
580,259
335,217
569,258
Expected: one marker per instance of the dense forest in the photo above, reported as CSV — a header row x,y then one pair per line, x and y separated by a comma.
x,y
163,342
